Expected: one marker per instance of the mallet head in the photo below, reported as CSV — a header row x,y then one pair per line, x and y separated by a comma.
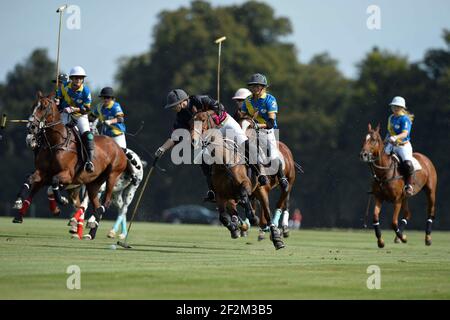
x,y
62,8
220,40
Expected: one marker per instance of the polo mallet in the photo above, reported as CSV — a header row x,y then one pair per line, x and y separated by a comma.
x,y
124,244
5,120
60,10
219,42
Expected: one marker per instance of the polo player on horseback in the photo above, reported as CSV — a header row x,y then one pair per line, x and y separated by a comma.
x,y
74,103
111,115
263,106
186,107
398,136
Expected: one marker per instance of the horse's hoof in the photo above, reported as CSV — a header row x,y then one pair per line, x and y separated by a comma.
x,y
279,245
122,236
75,237
244,234
285,231
428,240
381,243
18,219
87,237
235,234
404,239
73,225
397,240
111,234
261,235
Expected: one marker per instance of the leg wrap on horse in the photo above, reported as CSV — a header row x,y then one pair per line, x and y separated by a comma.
x,y
428,226
57,192
98,213
276,217
254,220
402,225
376,227
25,190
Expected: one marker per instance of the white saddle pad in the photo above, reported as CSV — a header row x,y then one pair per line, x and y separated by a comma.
x,y
416,164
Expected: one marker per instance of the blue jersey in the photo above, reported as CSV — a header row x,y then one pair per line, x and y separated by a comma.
x,y
398,125
80,98
109,112
264,105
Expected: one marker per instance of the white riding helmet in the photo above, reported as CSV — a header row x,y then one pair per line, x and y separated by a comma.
x,y
77,71
242,93
399,102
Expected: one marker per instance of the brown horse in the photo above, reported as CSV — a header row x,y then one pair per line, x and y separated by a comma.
x,y
58,163
231,183
388,185
290,168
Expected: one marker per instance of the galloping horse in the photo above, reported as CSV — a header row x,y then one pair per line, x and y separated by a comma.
x,y
229,190
388,185
58,162
263,192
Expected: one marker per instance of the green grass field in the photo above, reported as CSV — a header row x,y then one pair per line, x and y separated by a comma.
x,y
203,262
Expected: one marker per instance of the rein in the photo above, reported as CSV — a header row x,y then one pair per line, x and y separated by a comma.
x,y
373,166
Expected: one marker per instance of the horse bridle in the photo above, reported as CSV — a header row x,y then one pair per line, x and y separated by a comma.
x,y
372,165
37,126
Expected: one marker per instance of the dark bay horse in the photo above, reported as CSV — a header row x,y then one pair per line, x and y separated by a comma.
x,y
388,185
57,162
262,192
231,183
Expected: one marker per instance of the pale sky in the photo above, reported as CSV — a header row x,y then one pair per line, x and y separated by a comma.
x,y
111,29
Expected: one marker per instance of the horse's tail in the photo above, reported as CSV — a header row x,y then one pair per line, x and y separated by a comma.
x,y
298,167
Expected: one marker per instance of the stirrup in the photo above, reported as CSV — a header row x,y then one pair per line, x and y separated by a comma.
x,y
262,179
409,190
89,166
210,196
284,183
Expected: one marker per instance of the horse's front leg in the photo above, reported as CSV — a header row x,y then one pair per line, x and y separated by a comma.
x,y
36,182
24,192
62,178
398,231
405,219
225,217
376,222
93,222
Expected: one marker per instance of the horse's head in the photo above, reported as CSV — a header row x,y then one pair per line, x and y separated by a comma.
x,y
372,146
44,114
200,123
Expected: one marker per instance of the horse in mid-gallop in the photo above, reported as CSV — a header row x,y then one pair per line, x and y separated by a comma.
x,y
262,192
388,185
59,160
228,190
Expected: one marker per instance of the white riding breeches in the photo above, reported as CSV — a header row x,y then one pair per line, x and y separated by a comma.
x,y
230,129
82,122
121,141
405,152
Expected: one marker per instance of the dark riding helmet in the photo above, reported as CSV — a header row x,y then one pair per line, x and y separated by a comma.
x,y
62,78
258,78
107,92
175,97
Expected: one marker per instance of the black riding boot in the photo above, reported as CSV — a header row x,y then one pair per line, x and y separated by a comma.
x,y
409,171
284,183
206,169
256,168
88,138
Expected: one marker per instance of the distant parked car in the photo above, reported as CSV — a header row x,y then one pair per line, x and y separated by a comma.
x,y
190,214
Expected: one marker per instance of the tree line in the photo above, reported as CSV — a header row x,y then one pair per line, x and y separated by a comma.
x,y
323,115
